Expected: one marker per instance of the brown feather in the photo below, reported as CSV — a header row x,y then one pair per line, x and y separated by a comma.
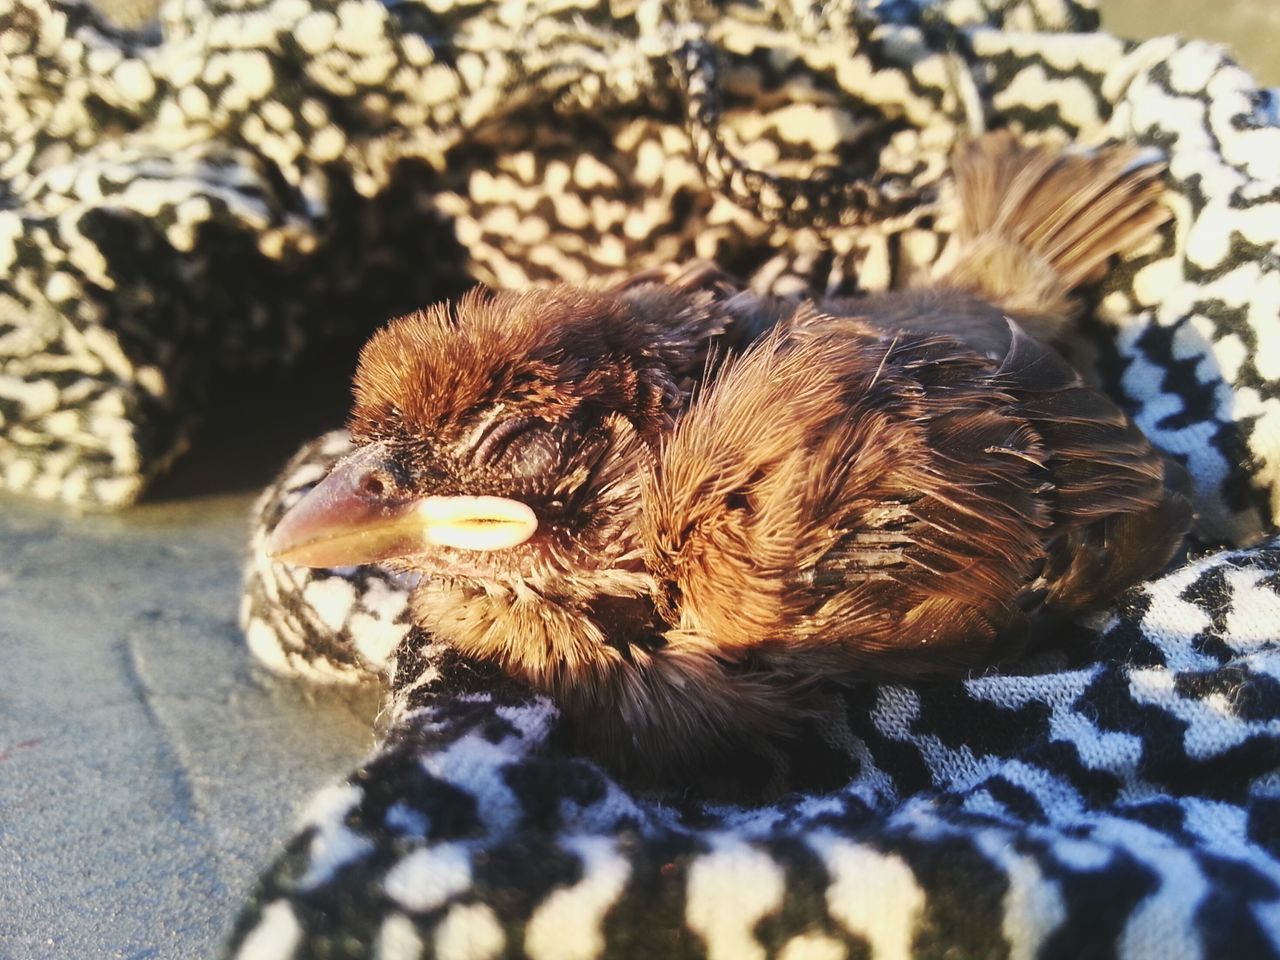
x,y
812,558
1038,222
737,496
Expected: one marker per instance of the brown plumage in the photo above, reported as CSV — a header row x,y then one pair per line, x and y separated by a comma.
x,y
878,488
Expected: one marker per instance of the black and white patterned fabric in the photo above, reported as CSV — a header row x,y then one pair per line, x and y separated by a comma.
x,y
236,180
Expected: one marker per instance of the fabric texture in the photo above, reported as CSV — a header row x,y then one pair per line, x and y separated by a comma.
x,y
232,181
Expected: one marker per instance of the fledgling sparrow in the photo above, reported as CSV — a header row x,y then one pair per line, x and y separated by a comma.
x,y
676,550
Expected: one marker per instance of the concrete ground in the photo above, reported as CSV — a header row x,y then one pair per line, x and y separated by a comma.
x,y
148,769
1249,27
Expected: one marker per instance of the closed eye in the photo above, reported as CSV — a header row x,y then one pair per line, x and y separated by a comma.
x,y
499,437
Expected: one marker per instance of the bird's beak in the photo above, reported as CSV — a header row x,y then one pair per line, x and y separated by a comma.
x,y
351,517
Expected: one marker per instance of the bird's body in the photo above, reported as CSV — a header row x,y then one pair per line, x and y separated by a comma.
x,y
880,488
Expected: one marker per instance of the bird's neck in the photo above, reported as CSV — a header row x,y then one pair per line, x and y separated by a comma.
x,y
555,640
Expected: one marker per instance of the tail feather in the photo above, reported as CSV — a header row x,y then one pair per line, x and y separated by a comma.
x,y
1036,223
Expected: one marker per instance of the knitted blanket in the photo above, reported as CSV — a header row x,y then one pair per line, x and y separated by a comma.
x,y
234,180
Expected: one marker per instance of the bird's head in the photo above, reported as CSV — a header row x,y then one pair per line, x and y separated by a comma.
x,y
502,437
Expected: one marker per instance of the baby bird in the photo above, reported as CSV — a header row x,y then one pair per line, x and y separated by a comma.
x,y
677,551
